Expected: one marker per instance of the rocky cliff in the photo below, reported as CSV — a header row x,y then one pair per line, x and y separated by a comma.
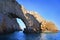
x,y
10,10
36,23
48,26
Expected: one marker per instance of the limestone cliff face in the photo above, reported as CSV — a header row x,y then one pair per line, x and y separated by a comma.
x,y
45,25
48,26
38,17
32,23
37,22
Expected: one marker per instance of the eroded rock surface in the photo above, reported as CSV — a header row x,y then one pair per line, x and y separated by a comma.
x,y
9,11
36,23
48,26
32,24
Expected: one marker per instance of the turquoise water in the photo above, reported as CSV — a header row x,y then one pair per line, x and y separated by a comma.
x,y
21,36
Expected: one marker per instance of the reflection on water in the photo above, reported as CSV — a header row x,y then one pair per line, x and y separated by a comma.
x,y
21,36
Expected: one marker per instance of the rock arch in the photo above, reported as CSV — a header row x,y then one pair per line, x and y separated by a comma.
x,y
10,10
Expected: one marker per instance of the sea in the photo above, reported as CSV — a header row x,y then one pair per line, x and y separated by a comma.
x,y
22,36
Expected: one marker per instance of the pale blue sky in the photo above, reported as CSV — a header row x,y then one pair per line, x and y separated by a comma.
x,y
49,9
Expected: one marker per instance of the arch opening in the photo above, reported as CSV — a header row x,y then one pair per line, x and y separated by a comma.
x,y
21,23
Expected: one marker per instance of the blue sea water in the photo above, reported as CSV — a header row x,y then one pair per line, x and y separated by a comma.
x,y
21,36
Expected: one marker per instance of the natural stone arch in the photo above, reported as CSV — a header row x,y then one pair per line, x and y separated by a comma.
x,y
11,10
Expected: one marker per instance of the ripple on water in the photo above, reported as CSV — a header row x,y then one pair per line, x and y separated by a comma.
x,y
21,36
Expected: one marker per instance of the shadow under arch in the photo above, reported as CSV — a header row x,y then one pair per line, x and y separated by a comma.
x,y
21,24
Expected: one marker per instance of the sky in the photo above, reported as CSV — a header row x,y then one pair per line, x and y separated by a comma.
x,y
48,9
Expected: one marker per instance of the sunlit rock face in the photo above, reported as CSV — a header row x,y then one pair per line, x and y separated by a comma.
x,y
37,22
45,25
32,24
48,26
